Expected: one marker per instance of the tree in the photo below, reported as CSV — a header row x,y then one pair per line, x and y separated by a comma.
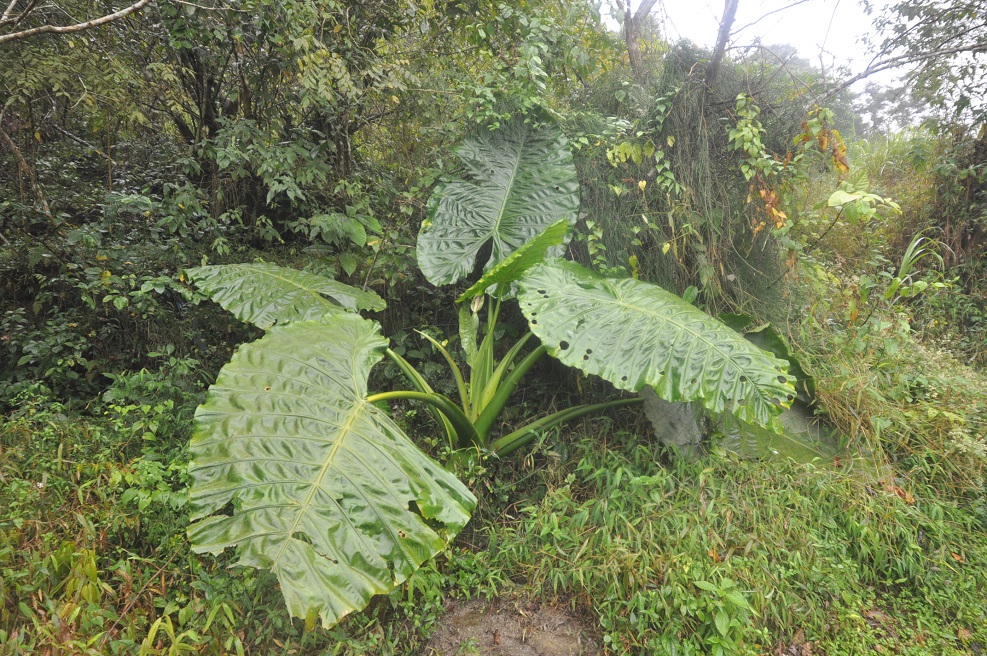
x,y
943,43
633,22
27,18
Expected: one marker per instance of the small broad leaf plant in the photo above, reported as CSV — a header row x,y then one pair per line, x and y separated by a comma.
x,y
295,465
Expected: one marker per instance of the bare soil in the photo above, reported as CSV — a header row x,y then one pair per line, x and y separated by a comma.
x,y
510,628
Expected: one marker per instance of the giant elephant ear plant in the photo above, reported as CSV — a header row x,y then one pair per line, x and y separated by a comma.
x,y
295,465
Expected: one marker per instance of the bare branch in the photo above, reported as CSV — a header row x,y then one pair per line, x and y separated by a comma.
x,y
897,62
726,23
8,11
78,27
17,19
773,11
643,10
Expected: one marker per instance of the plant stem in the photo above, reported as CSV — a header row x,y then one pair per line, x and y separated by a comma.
x,y
522,436
493,409
422,386
464,427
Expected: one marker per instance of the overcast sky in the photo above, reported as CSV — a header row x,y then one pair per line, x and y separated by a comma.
x,y
830,27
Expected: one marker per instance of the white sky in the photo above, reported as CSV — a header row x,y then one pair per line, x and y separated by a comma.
x,y
830,27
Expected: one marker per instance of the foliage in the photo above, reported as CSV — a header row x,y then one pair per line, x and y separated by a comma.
x,y
311,134
327,491
615,532
943,41
330,494
521,181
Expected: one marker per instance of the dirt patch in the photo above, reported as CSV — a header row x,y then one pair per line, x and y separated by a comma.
x,y
507,628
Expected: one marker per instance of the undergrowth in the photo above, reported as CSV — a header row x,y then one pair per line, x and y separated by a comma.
x,y
659,556
734,556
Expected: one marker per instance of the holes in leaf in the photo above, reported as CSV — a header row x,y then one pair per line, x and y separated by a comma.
x,y
588,353
301,537
563,345
267,388
782,379
534,322
623,379
402,534
791,397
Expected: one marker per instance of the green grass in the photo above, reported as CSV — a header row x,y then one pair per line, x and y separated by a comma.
x,y
743,555
717,556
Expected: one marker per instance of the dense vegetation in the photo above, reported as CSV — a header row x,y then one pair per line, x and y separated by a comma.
x,y
137,154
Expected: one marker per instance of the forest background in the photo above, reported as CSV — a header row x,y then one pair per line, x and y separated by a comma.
x,y
138,144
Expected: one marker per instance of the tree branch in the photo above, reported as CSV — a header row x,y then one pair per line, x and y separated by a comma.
x,y
895,62
726,24
27,171
78,27
8,11
643,10
773,11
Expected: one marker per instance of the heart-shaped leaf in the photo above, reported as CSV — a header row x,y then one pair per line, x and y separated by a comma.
x,y
634,334
520,180
292,465
266,294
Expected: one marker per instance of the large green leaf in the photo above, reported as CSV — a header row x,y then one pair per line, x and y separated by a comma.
x,y
804,439
294,466
767,337
265,294
513,266
521,180
635,334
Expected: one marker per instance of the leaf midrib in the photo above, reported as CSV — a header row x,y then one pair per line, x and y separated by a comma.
x,y
495,228
615,298
327,464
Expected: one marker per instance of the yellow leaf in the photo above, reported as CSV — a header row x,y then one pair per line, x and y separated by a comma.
x,y
666,247
642,184
337,29
37,135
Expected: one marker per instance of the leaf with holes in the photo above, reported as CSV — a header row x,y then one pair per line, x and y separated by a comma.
x,y
292,465
265,294
635,334
521,180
